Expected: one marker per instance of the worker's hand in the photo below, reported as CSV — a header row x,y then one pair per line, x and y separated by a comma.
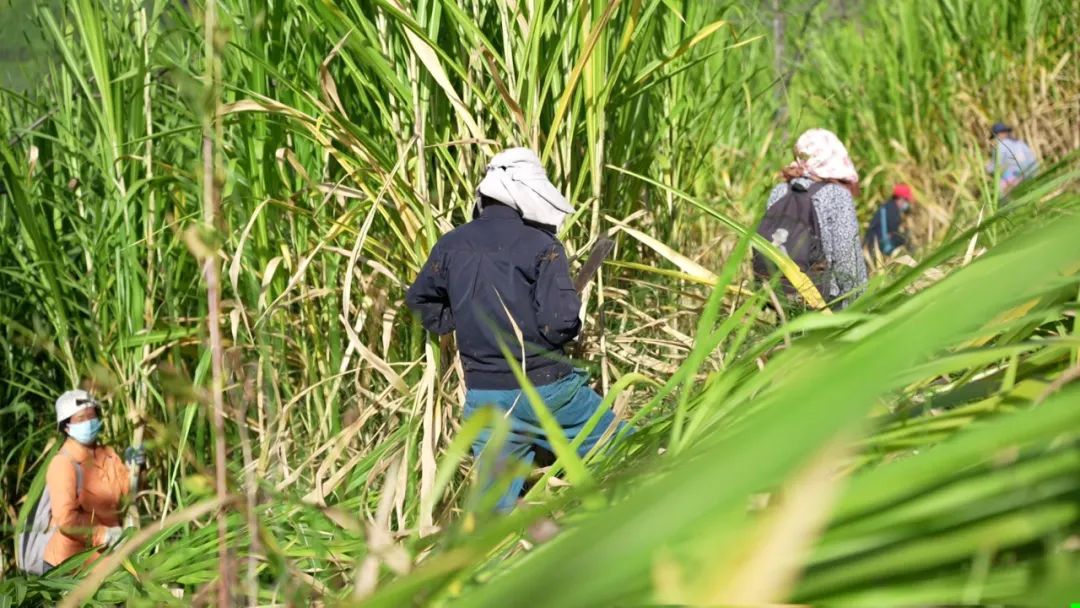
x,y
112,536
135,455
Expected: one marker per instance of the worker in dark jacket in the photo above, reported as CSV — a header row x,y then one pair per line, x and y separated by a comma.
x,y
498,277
886,231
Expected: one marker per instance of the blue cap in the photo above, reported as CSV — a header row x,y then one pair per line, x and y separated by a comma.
x,y
998,128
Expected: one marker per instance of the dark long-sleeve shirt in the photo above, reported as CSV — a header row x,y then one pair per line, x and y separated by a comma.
x,y
491,279
886,230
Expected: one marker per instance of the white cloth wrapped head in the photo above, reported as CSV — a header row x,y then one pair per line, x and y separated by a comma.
x,y
820,155
516,178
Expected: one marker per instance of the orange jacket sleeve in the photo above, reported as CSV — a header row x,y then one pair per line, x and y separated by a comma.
x,y
119,478
67,516
119,481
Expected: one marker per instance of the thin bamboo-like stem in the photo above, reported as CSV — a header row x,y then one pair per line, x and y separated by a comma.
x,y
142,391
211,129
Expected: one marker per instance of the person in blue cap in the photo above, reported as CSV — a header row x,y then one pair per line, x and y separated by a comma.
x,y
1013,160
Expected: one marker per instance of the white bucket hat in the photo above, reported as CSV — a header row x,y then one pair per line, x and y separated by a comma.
x,y
73,402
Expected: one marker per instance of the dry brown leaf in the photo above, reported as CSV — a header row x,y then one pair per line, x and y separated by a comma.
x,y
326,81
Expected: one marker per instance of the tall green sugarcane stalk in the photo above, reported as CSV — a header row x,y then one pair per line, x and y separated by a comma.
x,y
211,136
138,414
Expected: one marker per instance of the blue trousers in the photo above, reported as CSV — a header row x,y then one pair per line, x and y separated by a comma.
x,y
571,401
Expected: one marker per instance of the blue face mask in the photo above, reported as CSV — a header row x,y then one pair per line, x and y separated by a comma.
x,y
85,432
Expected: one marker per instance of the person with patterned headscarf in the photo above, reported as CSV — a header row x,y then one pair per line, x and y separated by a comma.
x,y
822,159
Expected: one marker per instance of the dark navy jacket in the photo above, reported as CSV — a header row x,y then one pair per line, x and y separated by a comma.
x,y
491,270
886,230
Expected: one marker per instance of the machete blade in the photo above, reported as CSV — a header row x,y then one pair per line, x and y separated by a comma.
x,y
600,250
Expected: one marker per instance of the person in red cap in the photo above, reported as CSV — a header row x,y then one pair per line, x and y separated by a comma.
x,y
886,231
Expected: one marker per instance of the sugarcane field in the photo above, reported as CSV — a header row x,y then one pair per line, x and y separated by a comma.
x,y
539,303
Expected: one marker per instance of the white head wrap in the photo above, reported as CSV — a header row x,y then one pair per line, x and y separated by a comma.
x,y
516,178
821,155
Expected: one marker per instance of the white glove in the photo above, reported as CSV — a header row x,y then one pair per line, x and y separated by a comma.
x,y
112,535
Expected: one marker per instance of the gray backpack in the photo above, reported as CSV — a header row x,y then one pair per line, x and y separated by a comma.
x,y
30,542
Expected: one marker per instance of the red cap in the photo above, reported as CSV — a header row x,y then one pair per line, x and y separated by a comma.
x,y
902,191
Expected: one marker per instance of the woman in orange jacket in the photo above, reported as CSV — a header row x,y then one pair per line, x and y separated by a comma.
x,y
90,516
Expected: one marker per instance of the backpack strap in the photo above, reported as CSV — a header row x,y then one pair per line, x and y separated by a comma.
x,y
797,189
78,471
